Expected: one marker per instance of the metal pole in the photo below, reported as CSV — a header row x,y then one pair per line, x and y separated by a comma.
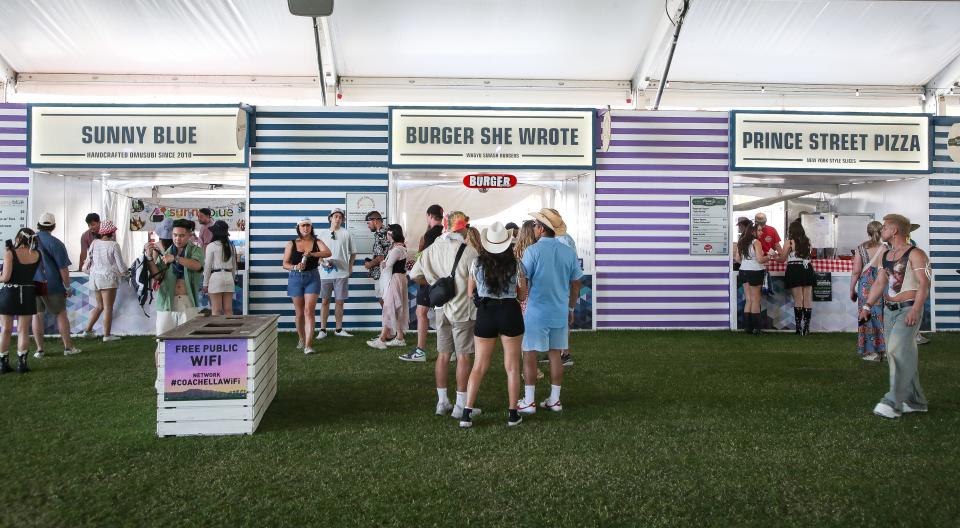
x,y
673,47
316,39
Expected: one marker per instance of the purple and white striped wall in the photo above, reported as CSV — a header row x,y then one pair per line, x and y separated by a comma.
x,y
645,275
14,178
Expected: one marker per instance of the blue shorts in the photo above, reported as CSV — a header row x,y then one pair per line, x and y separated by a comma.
x,y
544,339
300,283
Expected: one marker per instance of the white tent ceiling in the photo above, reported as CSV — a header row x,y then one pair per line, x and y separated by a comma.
x,y
788,42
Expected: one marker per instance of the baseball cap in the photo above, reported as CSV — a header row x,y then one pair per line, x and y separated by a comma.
x,y
48,220
374,215
336,210
305,220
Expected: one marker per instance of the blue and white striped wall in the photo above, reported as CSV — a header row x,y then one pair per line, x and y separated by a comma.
x,y
645,275
945,229
303,164
14,177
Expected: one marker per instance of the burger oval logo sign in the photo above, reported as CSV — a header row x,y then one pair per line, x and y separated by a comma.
x,y
490,181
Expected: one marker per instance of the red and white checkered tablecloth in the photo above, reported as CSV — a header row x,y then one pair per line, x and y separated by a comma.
x,y
820,265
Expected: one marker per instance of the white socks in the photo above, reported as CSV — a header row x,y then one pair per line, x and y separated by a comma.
x,y
461,399
529,395
442,395
554,393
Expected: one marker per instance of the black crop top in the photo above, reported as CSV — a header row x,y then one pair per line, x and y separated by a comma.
x,y
296,256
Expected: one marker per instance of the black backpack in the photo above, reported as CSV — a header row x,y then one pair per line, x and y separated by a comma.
x,y
445,289
142,281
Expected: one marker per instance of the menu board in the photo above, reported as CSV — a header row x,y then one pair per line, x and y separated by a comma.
x,y
13,216
709,225
823,287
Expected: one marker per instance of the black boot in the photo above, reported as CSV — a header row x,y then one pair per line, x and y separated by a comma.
x,y
747,323
798,317
807,314
22,364
756,323
5,365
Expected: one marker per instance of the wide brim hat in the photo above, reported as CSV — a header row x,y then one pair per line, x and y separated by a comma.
x,y
552,219
107,227
496,238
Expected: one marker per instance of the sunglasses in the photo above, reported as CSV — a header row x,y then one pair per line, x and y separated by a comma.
x,y
333,235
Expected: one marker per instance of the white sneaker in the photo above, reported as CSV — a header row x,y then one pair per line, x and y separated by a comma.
x,y
908,409
443,407
885,411
71,351
87,335
417,355
307,351
342,333
396,342
376,343
321,334
555,406
107,339
458,412
526,408
453,357
299,345
921,340
38,354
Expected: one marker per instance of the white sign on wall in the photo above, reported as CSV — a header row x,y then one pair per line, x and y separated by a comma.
x,y
358,205
709,225
13,216
136,136
423,137
799,141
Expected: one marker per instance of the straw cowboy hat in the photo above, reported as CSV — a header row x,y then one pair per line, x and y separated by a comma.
x,y
496,238
552,219
107,227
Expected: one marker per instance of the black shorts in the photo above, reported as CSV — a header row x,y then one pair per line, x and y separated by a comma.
x,y
498,317
753,278
423,296
798,275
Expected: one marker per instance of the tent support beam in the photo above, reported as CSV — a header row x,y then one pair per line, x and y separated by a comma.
x,y
664,79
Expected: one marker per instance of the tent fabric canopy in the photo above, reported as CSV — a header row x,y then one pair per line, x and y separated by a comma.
x,y
774,41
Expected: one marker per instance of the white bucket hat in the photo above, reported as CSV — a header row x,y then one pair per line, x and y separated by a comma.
x,y
496,238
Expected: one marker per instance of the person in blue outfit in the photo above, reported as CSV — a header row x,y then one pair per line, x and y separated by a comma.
x,y
552,275
54,273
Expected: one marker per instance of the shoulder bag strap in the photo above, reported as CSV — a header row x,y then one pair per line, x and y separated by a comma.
x,y
456,261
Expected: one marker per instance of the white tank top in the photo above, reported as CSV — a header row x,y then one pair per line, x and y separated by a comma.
x,y
750,262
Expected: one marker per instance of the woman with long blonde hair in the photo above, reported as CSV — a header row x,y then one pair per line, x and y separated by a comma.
x,y
871,345
525,238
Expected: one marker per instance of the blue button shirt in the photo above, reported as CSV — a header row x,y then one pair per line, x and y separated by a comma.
x,y
54,259
550,267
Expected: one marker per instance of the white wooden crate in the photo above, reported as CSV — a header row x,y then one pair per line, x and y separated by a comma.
x,y
224,417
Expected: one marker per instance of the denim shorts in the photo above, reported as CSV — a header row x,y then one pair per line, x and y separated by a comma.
x,y
300,283
543,339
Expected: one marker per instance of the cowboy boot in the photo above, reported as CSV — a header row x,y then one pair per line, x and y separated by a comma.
x,y
798,318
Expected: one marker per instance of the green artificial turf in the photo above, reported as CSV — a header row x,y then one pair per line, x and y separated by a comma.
x,y
658,428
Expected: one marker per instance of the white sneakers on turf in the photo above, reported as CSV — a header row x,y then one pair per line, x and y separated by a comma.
x,y
87,335
458,412
555,406
443,407
321,334
308,350
38,354
524,407
71,351
514,424
107,339
299,345
376,343
885,411
396,342
342,333
908,409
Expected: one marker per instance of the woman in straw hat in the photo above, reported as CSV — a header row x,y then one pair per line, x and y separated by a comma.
x,y
105,266
494,277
